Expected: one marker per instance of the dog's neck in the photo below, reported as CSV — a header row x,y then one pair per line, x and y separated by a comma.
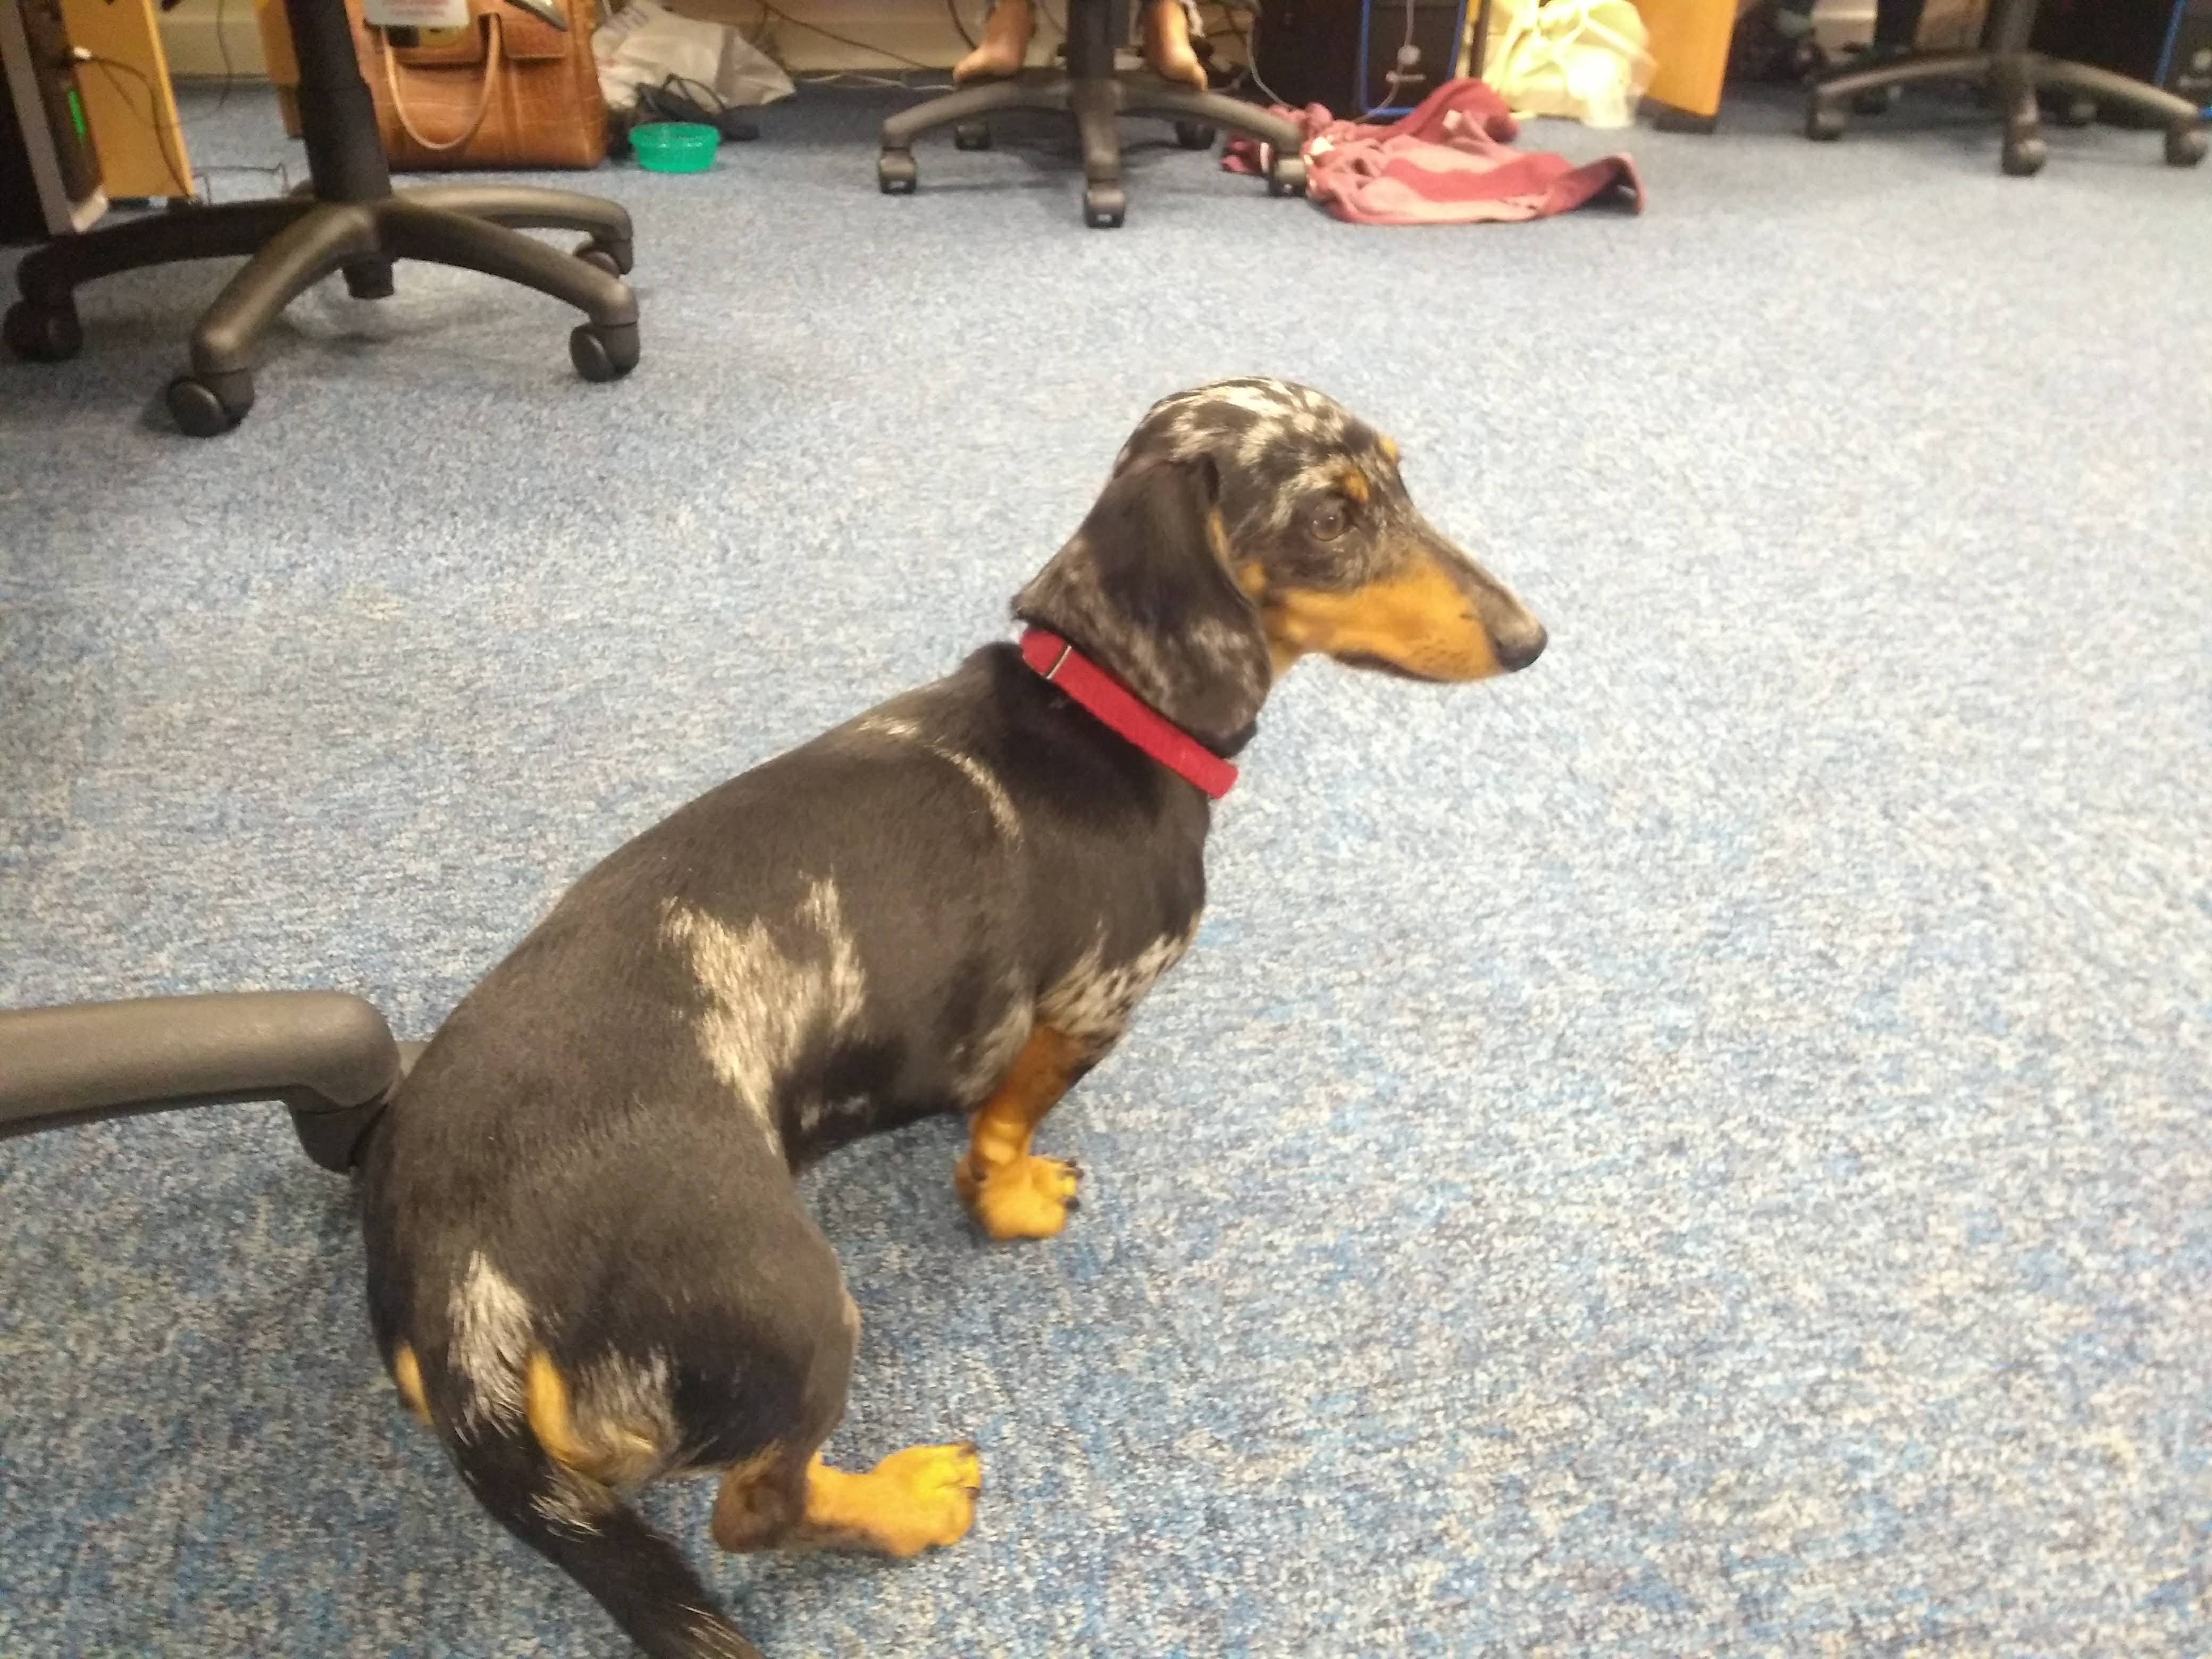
x,y
1178,683
1114,705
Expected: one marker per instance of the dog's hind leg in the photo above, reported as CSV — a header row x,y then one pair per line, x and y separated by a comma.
x,y
1011,1192
914,1500
786,1497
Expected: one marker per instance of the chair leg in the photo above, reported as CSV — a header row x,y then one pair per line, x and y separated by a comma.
x,y
1974,66
47,276
2183,123
1049,93
1095,103
1824,108
310,249
407,231
215,394
523,207
1155,97
2012,86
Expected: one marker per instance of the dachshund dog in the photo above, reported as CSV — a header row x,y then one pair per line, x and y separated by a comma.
x,y
587,1264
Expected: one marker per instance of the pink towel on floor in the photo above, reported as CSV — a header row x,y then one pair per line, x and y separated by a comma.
x,y
1448,161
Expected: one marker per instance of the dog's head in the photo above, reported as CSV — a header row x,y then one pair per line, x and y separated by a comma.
x,y
1250,522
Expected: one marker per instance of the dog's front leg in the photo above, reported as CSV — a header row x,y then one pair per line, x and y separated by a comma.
x,y
1010,1190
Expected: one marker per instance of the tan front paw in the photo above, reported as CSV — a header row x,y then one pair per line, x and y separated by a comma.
x,y
940,1484
1028,1198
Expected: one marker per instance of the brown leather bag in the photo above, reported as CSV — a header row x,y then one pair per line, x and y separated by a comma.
x,y
509,91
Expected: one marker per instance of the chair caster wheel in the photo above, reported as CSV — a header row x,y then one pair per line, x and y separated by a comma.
x,y
1194,135
603,351
2184,146
44,334
894,172
2024,157
2076,112
1287,177
1104,206
1824,124
971,134
207,406
613,257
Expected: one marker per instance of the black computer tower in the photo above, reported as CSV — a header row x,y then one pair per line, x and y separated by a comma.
x,y
41,105
1341,52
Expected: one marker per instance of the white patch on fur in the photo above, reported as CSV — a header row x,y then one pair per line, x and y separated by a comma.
x,y
994,793
1268,399
1324,474
1221,641
617,1395
765,1003
714,1638
847,990
571,1503
984,1063
1093,1002
902,730
491,1327
1262,436
813,1114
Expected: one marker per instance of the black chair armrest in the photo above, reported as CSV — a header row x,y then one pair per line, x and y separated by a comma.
x,y
327,1057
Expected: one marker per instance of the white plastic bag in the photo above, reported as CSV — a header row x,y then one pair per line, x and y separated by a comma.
x,y
644,44
1586,59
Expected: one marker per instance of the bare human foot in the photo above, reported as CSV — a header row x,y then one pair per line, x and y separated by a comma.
x,y
1167,44
1006,33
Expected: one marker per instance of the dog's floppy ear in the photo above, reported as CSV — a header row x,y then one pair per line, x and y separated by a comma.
x,y
1144,589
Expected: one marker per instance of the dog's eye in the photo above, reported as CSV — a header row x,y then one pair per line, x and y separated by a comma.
x,y
1328,520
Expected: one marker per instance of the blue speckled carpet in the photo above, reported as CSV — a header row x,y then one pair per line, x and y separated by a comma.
x,y
1704,1148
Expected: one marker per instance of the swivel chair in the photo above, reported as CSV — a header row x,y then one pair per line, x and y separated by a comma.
x,y
2011,73
1096,95
347,219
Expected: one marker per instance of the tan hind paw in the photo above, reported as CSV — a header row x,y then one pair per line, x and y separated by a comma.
x,y
1026,1198
920,1498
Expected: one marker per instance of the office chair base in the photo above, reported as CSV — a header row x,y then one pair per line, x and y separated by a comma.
x,y
2014,79
1096,103
295,242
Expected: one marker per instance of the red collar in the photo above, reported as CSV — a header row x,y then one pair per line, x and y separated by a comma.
x,y
1122,712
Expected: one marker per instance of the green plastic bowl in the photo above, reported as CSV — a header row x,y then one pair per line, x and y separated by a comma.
x,y
674,146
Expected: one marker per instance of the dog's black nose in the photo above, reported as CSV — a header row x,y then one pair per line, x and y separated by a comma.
x,y
1516,650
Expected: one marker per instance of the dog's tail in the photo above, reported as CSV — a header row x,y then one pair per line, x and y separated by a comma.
x,y
634,1571
584,1527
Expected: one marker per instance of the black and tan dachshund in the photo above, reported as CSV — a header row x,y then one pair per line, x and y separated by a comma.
x,y
587,1264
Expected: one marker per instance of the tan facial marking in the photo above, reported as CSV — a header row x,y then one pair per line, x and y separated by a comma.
x,y
1353,483
407,1372
1389,448
1418,619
